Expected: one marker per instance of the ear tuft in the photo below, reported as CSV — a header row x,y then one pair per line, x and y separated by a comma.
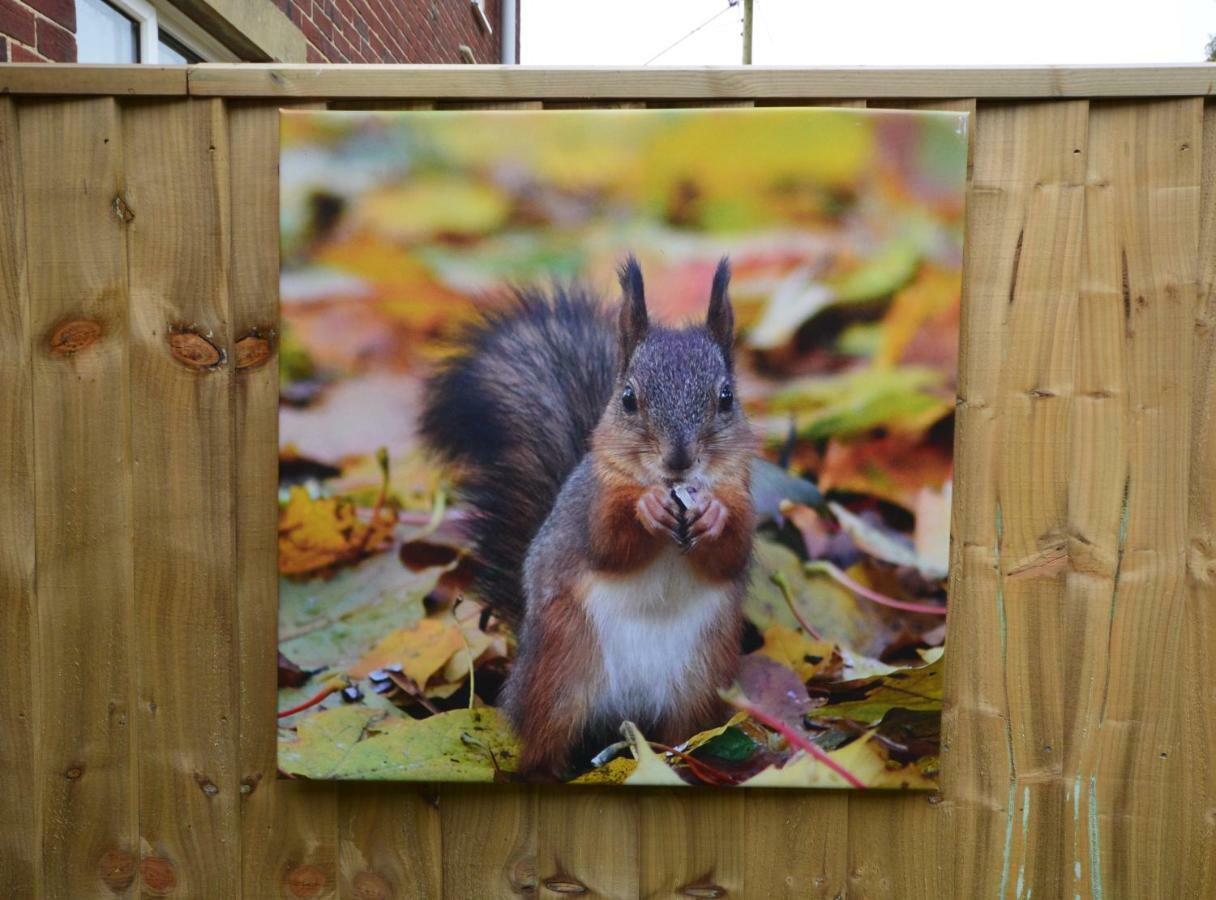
x,y
634,322
721,318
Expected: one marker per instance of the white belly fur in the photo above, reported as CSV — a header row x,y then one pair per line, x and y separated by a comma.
x,y
651,627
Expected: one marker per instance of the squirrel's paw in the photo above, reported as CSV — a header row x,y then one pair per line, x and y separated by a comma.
x,y
658,513
707,521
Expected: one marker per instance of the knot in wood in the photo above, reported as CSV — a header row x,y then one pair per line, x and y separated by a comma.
x,y
565,884
74,772
205,784
116,869
72,337
158,874
703,890
371,886
252,351
305,881
192,349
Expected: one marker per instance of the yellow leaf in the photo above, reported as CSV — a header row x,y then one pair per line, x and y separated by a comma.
x,y
804,656
421,650
315,535
650,768
353,742
615,771
864,757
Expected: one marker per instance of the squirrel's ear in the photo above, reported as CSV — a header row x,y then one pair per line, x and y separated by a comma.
x,y
634,321
721,318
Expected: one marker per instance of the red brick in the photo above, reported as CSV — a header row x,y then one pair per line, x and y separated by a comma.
x,y
17,21
313,55
23,54
62,11
55,43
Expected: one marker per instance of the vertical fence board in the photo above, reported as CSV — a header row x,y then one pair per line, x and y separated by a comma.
x,y
488,841
1201,562
490,849
1153,809
72,171
391,844
181,368
289,829
18,841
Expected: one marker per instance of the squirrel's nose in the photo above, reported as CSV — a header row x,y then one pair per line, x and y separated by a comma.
x,y
678,460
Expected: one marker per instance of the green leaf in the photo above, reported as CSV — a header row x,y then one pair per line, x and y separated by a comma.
x,y
355,743
886,271
906,400
917,689
732,744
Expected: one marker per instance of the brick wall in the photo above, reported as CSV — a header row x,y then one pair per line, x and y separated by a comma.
x,y
395,31
366,31
37,30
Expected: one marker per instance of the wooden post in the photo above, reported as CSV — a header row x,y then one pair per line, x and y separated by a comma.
x,y
747,32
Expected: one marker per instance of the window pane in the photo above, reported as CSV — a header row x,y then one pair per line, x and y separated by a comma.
x,y
172,52
105,35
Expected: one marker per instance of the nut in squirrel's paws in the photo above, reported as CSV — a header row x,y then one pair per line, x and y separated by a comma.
x,y
702,516
659,513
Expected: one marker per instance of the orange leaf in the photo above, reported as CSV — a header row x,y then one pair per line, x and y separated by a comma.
x,y
315,535
421,650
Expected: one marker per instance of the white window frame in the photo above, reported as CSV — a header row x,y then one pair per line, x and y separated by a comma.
x,y
152,19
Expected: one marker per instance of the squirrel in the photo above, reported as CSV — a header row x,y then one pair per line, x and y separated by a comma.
x,y
607,468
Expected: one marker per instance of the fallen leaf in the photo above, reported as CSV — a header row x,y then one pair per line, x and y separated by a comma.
x,y
934,293
865,758
918,689
906,401
421,650
886,545
772,486
355,743
650,768
315,535
291,675
833,610
805,657
892,467
773,689
931,536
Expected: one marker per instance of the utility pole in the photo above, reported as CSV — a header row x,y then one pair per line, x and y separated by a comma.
x,y
747,32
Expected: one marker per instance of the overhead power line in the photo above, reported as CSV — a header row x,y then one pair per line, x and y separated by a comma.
x,y
691,33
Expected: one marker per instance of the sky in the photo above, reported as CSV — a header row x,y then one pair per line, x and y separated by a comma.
x,y
866,32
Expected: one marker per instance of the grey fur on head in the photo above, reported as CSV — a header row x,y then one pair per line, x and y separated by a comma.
x,y
634,322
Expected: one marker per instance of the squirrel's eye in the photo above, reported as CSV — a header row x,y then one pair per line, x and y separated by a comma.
x,y
629,400
726,399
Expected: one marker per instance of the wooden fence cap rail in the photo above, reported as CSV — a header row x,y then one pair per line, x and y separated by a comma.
x,y
274,80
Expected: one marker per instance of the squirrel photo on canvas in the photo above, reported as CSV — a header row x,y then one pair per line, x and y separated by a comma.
x,y
607,470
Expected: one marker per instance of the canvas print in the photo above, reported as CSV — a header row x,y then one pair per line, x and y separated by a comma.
x,y
616,445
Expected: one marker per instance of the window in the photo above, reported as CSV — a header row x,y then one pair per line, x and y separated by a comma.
x,y
105,34
139,31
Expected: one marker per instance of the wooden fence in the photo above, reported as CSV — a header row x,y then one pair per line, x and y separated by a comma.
x,y
138,270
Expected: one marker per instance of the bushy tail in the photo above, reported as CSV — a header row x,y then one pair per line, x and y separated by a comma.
x,y
514,408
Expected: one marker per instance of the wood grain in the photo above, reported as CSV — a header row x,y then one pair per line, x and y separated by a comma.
x,y
391,842
182,454
85,787
289,830
1152,799
19,853
707,83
